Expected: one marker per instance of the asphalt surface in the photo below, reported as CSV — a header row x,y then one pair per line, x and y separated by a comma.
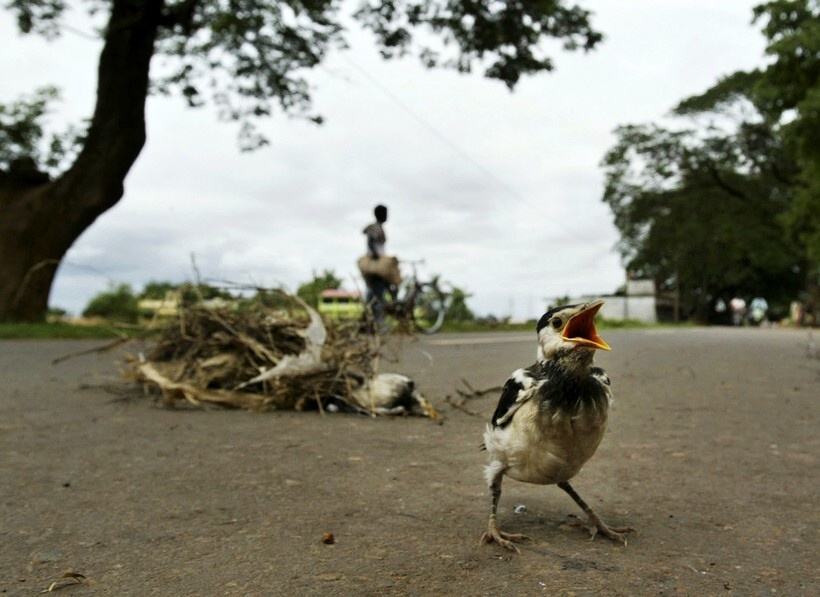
x,y
711,454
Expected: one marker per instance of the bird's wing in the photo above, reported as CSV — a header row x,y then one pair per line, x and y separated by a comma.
x,y
517,390
601,376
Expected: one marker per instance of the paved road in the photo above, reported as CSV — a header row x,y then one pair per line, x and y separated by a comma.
x,y
712,454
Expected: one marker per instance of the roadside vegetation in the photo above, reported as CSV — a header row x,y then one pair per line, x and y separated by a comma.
x,y
66,330
122,311
74,331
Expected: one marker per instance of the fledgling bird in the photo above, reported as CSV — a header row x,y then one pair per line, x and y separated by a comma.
x,y
551,416
392,394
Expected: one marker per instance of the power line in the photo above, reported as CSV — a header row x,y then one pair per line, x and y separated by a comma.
x,y
435,132
81,33
396,99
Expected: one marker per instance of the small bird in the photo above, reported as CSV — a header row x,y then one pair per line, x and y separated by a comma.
x,y
551,416
392,394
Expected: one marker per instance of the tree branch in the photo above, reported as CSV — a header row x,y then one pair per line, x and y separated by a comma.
x,y
181,14
116,134
722,184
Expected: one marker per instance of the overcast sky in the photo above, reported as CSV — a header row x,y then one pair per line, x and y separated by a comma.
x,y
500,192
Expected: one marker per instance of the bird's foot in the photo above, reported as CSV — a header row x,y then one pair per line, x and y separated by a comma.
x,y
595,525
505,540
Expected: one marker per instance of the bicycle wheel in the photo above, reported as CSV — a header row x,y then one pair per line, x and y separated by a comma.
x,y
429,308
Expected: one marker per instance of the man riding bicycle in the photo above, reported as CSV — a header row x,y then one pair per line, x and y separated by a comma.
x,y
422,305
377,285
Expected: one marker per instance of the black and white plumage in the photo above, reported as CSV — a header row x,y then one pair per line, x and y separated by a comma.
x,y
392,394
551,416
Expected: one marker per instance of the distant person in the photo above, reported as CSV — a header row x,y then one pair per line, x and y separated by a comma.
x,y
738,307
374,232
758,310
377,286
721,311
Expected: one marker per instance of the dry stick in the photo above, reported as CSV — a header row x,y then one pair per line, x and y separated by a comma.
x,y
340,376
468,386
318,400
473,393
197,275
349,388
375,349
350,350
460,407
198,291
98,349
181,316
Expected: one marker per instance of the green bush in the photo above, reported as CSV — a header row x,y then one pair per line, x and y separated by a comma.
x,y
458,309
117,304
157,290
310,291
55,313
195,293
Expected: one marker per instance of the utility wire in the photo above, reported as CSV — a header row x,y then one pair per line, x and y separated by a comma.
x,y
435,132
81,33
396,99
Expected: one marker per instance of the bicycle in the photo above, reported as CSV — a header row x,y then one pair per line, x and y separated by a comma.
x,y
418,305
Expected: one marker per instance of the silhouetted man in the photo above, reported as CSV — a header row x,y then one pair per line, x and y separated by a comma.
x,y
376,285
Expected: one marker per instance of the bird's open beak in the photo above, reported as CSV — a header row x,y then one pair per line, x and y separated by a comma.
x,y
580,328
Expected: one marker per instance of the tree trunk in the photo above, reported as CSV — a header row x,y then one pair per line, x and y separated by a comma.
x,y
40,221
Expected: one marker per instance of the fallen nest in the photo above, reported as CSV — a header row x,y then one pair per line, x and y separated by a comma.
x,y
259,357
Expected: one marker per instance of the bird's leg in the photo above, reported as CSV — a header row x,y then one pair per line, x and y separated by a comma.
x,y
595,525
493,533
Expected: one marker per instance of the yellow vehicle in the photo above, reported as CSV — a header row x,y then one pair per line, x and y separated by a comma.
x,y
341,304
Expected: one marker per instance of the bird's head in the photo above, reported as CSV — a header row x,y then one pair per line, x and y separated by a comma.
x,y
569,332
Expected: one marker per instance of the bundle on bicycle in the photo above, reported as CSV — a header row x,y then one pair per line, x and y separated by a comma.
x,y
414,305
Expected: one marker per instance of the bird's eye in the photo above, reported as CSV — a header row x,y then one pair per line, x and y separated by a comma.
x,y
557,323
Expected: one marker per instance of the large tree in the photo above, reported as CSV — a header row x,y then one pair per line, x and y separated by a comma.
x,y
247,57
785,96
701,212
726,200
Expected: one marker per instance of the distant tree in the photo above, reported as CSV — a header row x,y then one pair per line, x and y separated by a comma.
x,y
56,313
248,57
116,304
560,301
703,213
157,290
721,207
458,309
785,96
189,292
310,291
194,293
268,298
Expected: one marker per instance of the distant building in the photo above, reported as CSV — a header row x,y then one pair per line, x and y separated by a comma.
x,y
638,301
168,306
640,288
341,304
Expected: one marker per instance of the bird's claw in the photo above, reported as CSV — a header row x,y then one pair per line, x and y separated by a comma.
x,y
506,540
618,534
